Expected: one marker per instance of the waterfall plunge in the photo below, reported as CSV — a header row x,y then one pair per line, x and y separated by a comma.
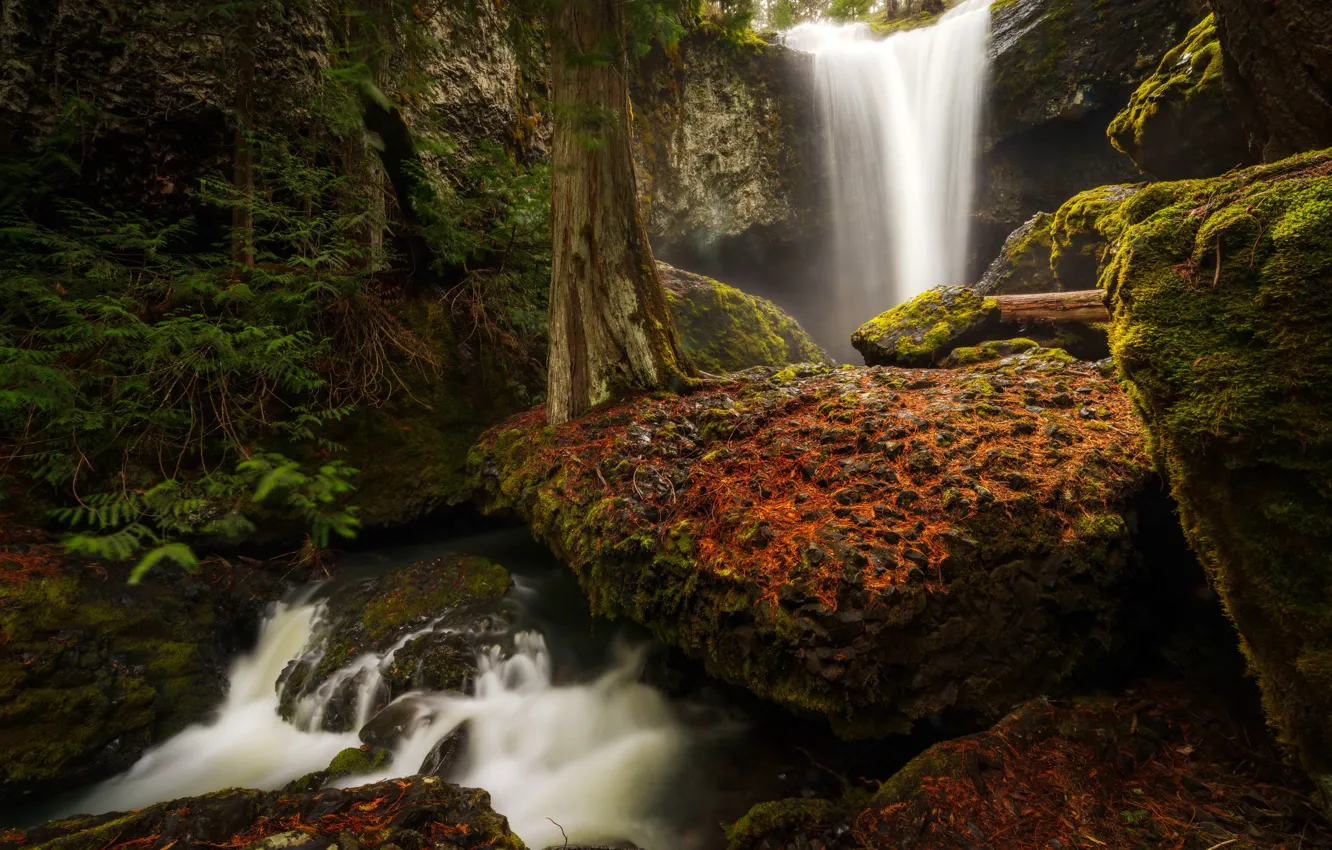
x,y
902,119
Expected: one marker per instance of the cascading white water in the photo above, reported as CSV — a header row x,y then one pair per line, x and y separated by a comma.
x,y
901,117
596,759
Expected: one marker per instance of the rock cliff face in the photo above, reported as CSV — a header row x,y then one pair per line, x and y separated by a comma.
x,y
872,545
1278,72
1061,70
729,160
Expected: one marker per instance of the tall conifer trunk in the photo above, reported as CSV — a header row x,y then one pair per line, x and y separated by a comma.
x,y
610,329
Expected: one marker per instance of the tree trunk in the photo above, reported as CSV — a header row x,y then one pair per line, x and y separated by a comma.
x,y
610,329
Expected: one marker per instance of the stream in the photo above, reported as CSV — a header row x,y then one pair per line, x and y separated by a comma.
x,y
562,729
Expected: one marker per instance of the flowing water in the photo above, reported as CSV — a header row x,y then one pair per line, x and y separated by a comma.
x,y
901,117
560,730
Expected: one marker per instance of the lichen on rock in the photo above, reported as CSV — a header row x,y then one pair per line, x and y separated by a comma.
x,y
725,330
1221,313
872,545
1178,124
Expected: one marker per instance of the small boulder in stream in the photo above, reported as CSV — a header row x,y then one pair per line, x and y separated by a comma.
x,y
406,629
874,545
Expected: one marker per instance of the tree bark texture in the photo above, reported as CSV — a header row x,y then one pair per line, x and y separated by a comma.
x,y
1083,306
610,329
1278,72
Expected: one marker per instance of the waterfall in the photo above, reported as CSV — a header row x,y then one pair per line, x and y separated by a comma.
x,y
901,117
597,760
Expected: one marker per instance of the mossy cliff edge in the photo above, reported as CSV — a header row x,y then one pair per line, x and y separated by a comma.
x,y
873,545
1219,295
1178,124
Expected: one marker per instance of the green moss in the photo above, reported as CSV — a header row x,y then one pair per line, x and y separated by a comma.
x,y
779,816
923,330
1177,122
355,761
1221,328
725,330
1082,232
888,25
991,350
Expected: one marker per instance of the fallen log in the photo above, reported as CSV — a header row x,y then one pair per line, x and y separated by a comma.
x,y
1086,305
926,330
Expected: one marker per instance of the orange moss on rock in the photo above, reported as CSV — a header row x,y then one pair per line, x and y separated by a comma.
x,y
414,812
875,545
1153,768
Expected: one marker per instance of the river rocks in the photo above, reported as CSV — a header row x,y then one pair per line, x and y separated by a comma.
x,y
1221,314
93,671
1278,72
1178,123
1151,769
407,629
1061,70
725,330
873,545
416,812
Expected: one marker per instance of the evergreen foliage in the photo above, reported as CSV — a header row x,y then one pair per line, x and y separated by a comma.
x,y
159,389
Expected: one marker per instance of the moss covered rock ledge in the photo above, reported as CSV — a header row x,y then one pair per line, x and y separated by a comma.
x,y
874,545
1223,328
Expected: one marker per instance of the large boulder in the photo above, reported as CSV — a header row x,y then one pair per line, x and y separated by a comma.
x,y
93,671
411,628
872,545
1178,123
1061,70
724,330
419,811
1278,72
1218,290
1155,768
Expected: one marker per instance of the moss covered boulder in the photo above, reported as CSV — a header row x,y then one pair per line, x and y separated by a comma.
x,y
954,325
432,612
873,545
1023,264
922,331
93,671
1154,768
1178,123
725,330
420,811
1083,232
1223,330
